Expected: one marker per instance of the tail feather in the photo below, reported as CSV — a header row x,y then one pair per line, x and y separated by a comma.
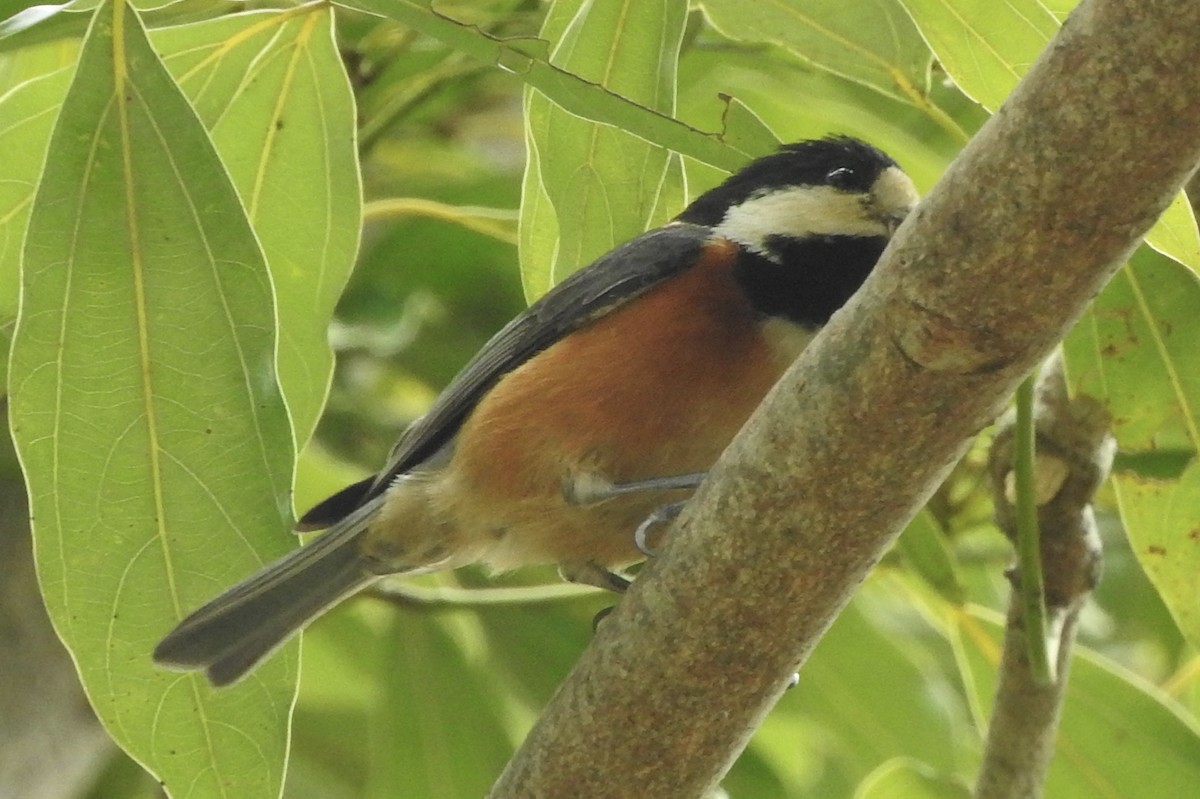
x,y
229,635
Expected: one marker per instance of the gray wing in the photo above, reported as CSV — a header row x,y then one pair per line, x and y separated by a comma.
x,y
607,283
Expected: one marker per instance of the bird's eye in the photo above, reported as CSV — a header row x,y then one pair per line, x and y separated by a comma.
x,y
841,178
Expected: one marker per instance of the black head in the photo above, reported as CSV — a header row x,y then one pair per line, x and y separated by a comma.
x,y
839,162
811,221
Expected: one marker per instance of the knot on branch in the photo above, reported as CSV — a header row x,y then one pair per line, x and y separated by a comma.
x,y
940,343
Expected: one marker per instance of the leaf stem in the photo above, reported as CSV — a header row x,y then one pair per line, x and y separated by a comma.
x,y
1029,554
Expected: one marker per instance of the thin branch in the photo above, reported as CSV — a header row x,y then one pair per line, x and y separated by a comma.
x,y
1075,455
410,595
1028,538
980,283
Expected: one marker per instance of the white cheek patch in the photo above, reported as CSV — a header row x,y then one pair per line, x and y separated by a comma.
x,y
798,212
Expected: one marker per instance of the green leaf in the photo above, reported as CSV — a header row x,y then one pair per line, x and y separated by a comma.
x,y
904,778
421,714
38,24
527,59
1059,8
875,44
406,80
987,47
34,62
864,719
1175,235
537,229
745,129
1119,737
34,24
672,192
32,84
271,89
805,103
1162,518
29,111
924,547
146,413
598,186
524,658
5,350
431,677
1135,350
984,46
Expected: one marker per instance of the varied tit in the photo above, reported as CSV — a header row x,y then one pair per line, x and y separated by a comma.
x,y
574,423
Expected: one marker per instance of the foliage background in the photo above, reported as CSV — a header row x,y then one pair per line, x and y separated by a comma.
x,y
164,239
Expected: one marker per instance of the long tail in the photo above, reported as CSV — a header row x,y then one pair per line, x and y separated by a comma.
x,y
229,636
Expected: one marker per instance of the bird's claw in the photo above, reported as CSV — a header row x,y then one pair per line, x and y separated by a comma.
x,y
661,515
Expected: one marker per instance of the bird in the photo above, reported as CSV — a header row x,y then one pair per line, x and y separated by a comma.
x,y
604,401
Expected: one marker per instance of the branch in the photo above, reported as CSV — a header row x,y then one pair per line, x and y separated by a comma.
x,y
1075,452
980,283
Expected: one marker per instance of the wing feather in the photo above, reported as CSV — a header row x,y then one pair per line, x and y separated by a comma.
x,y
590,293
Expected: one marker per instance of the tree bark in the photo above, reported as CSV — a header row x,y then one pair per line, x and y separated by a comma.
x,y
51,744
981,282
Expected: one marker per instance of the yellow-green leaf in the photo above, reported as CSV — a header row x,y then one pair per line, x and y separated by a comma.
x,y
28,112
1135,350
595,185
987,47
924,547
418,682
841,692
1118,736
527,59
984,46
271,89
1162,518
872,43
147,415
904,778
1175,235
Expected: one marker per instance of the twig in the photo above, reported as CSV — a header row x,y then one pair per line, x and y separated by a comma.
x,y
409,595
1028,538
1075,455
